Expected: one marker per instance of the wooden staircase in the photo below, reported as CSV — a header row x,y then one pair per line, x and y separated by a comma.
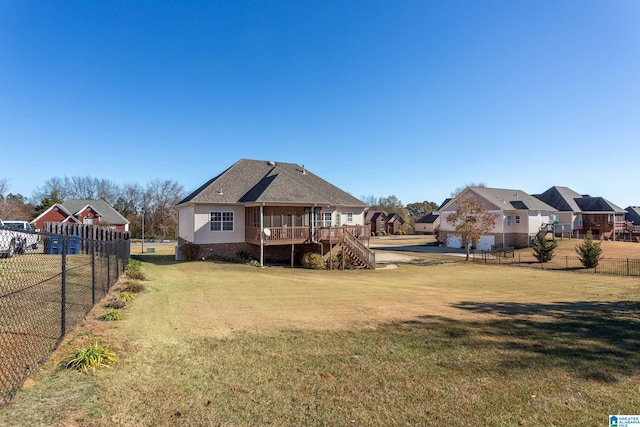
x,y
351,248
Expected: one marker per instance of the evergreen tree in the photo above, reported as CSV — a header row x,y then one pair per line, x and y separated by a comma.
x,y
544,248
589,252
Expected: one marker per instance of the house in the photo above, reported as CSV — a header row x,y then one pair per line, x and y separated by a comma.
x,y
520,217
578,213
275,211
83,212
382,221
427,224
632,215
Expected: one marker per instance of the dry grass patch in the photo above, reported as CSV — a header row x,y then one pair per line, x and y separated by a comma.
x,y
224,344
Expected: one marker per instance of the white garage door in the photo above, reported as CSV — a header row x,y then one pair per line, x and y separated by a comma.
x,y
486,242
454,242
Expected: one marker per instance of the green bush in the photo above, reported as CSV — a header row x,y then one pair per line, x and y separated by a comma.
x,y
254,263
313,261
190,250
133,265
92,357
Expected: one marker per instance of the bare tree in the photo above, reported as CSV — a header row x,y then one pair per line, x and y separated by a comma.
x,y
13,206
161,196
458,190
471,221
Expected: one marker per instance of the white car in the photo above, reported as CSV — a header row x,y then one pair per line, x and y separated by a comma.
x,y
28,233
11,241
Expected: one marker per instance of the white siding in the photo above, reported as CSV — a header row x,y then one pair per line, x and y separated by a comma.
x,y
185,223
203,233
358,216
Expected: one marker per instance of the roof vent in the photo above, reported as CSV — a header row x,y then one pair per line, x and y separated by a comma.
x,y
271,163
220,193
303,170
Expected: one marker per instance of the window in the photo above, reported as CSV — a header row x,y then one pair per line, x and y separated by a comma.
x,y
517,219
326,219
508,220
221,221
338,219
349,217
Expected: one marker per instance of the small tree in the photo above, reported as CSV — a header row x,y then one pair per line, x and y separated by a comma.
x,y
589,252
471,221
544,248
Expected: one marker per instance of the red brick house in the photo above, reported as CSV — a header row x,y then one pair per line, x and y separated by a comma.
x,y
383,221
83,212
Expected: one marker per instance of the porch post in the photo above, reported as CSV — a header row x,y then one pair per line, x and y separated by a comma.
x,y
262,235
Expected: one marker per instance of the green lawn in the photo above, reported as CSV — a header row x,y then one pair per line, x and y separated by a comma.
x,y
450,344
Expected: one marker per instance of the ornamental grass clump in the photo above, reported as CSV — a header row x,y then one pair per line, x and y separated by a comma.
x,y
313,261
126,296
111,315
116,303
92,357
134,287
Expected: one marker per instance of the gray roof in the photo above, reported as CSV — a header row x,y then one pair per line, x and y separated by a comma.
x,y
109,214
506,199
428,219
565,199
260,181
633,215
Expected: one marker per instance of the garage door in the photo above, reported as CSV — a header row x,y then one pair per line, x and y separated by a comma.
x,y
486,242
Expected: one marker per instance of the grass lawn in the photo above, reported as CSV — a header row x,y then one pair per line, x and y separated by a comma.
x,y
450,344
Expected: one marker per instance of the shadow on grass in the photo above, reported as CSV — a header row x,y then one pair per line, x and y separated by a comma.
x,y
156,259
599,341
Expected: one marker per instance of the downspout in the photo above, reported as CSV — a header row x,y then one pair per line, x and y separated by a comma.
x,y
313,234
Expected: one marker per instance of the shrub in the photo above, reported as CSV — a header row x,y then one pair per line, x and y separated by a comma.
x,y
111,315
136,275
135,287
313,261
336,261
190,250
589,252
543,250
133,265
116,303
126,296
243,256
92,357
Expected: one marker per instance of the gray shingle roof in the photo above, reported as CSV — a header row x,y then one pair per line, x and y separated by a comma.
x,y
565,199
109,214
633,214
258,181
428,219
506,199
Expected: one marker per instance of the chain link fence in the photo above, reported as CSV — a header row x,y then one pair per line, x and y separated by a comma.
x,y
48,284
610,266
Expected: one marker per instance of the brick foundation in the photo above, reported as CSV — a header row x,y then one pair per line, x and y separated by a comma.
x,y
279,254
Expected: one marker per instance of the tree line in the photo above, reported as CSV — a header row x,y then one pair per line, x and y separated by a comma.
x,y
157,199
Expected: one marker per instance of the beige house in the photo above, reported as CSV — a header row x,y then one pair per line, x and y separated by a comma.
x,y
275,211
520,217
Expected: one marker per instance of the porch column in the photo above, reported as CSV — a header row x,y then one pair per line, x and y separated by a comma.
x,y
262,235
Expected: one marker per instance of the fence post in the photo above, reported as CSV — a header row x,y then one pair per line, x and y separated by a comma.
x,y
93,271
566,262
63,295
628,272
108,254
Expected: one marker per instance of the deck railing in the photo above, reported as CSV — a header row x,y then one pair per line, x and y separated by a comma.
x,y
287,235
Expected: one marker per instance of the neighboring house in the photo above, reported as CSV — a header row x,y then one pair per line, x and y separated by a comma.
x,y
520,217
578,213
277,211
83,212
382,221
632,215
427,224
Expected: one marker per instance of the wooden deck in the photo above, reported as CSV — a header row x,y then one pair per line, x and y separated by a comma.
x,y
302,235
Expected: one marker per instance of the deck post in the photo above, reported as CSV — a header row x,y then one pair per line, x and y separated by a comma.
x,y
262,235
293,250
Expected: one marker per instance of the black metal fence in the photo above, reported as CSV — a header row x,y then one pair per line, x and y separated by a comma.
x,y
48,284
610,266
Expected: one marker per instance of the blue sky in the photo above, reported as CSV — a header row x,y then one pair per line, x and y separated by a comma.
x,y
407,98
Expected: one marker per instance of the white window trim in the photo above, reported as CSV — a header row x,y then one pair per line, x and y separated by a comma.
x,y
222,221
349,217
518,219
